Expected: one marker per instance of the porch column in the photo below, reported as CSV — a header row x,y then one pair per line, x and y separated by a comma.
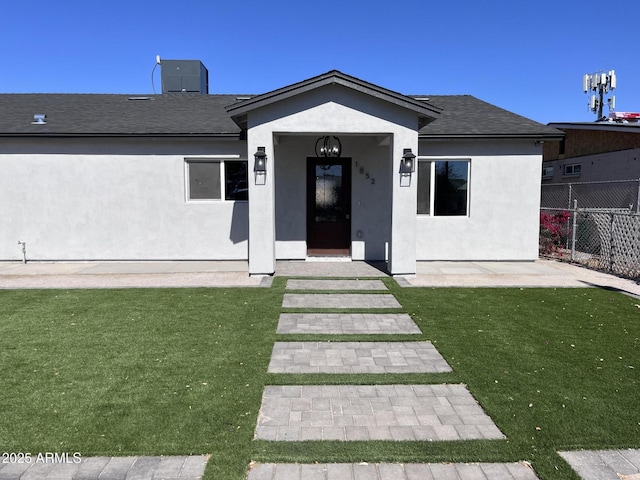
x,y
404,204
262,258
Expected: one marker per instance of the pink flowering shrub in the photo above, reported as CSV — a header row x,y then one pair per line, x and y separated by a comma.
x,y
554,231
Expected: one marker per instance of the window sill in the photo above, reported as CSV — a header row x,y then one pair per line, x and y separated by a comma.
x,y
426,215
214,200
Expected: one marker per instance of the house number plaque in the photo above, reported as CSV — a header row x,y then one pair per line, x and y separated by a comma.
x,y
366,174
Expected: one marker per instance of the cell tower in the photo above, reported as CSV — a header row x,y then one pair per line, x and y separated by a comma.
x,y
600,83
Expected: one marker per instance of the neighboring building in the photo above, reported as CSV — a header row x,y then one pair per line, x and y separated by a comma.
x,y
320,167
598,151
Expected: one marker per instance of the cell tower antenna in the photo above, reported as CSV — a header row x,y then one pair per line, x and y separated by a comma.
x,y
599,83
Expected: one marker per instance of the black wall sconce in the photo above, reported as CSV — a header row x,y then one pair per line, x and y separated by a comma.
x,y
260,164
408,162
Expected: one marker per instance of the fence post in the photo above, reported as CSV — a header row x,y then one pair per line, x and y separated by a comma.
x,y
638,197
611,245
573,230
570,195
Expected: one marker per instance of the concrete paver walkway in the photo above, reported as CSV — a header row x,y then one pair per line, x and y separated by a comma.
x,y
372,412
340,300
605,464
343,285
356,357
347,323
366,412
300,268
392,471
108,468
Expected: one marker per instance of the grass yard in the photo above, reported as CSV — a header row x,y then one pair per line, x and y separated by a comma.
x,y
180,371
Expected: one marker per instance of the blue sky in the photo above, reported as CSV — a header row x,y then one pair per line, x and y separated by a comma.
x,y
525,56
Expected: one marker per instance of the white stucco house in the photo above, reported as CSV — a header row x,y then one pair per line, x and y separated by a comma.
x,y
332,165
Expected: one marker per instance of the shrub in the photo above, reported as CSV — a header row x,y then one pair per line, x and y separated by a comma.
x,y
554,231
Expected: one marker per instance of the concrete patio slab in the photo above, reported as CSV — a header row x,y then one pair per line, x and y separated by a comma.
x,y
372,412
108,468
621,464
158,280
486,267
392,471
356,357
542,273
342,285
339,300
128,275
347,323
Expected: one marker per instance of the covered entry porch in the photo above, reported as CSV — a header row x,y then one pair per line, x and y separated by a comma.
x,y
337,205
354,202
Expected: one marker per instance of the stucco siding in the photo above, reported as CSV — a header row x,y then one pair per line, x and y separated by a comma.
x,y
291,197
112,207
504,202
371,198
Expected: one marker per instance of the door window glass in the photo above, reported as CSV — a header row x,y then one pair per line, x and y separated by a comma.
x,y
329,200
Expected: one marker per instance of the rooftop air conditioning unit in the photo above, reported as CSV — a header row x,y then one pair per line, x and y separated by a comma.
x,y
184,76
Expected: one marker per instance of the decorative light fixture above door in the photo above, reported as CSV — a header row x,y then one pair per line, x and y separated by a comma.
x,y
328,146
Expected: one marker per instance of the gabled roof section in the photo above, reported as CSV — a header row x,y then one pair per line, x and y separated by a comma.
x,y
426,111
188,115
465,116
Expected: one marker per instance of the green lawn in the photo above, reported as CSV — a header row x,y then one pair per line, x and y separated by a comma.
x,y
179,371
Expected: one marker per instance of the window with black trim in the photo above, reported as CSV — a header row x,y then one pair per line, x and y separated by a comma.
x,y
236,179
424,188
443,187
217,179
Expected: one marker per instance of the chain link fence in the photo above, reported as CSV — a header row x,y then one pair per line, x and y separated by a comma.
x,y
595,224
612,194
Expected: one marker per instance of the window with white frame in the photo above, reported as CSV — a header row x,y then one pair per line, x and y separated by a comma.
x,y
217,179
574,169
443,187
547,172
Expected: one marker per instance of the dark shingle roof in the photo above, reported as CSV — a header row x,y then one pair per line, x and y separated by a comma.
x,y
467,116
207,115
100,114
